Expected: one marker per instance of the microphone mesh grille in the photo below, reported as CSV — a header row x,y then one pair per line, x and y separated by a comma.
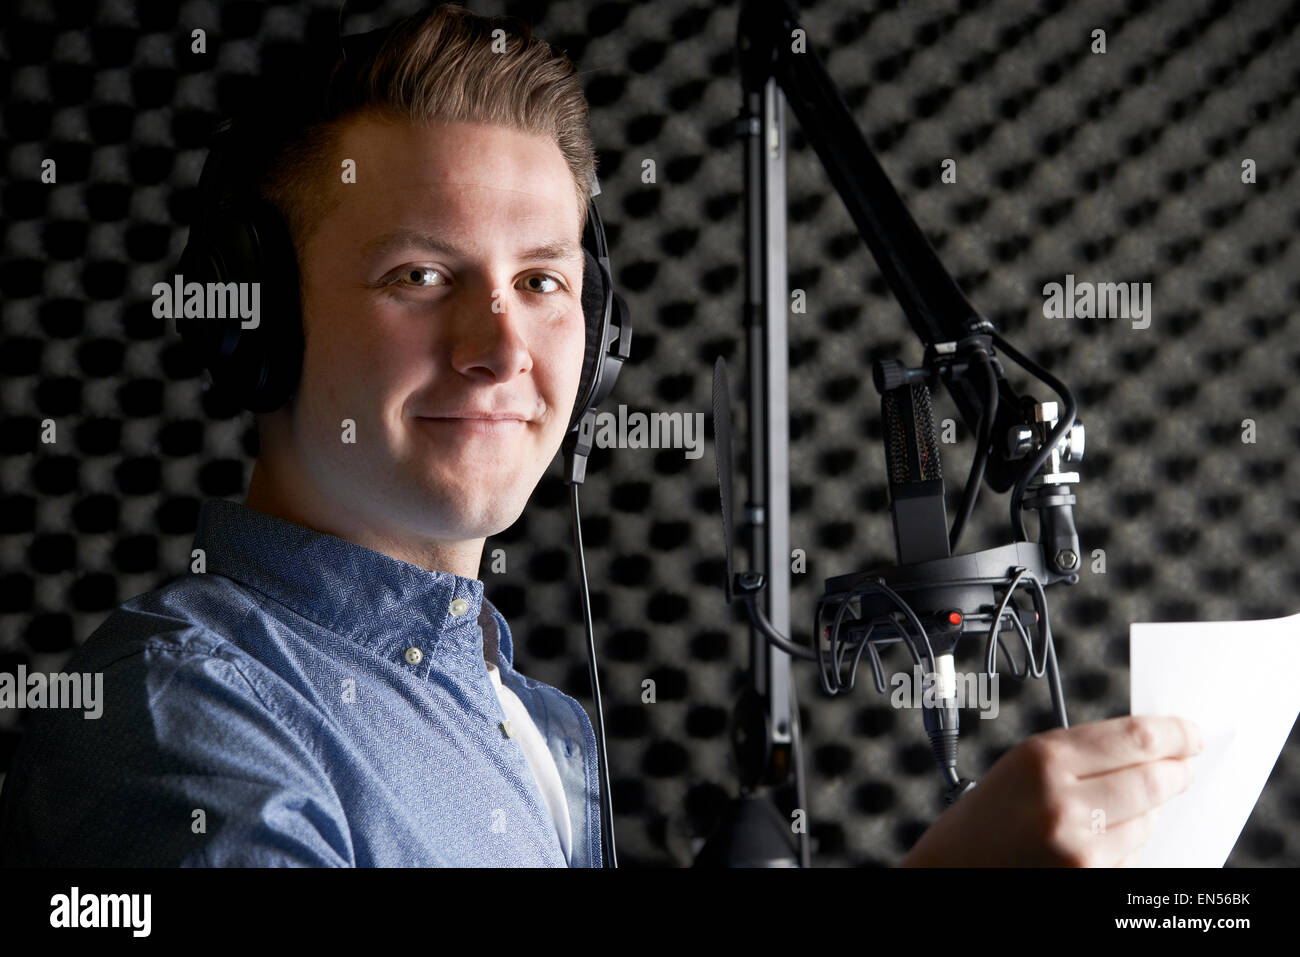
x,y
898,461
895,438
926,438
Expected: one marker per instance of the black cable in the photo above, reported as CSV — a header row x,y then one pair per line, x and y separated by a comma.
x,y
877,667
1049,664
759,617
995,628
907,611
855,594
845,648
606,797
863,645
984,440
1020,674
1053,670
837,662
1064,424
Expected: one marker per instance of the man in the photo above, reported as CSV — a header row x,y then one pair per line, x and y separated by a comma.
x,y
334,688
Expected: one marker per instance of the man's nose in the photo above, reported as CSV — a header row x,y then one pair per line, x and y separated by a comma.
x,y
488,335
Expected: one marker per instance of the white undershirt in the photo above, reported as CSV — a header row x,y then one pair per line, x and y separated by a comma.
x,y
539,758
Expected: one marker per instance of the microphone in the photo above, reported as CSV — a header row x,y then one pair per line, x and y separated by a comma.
x,y
920,519
915,471
932,598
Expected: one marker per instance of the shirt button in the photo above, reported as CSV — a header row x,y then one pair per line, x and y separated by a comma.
x,y
459,606
414,656
506,729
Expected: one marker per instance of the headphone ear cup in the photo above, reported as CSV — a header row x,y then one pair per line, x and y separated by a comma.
x,y
593,312
259,366
612,359
276,346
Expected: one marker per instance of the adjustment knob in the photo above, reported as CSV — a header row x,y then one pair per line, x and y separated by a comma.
x,y
889,374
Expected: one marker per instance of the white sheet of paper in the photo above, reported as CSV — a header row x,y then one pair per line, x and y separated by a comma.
x,y
1237,681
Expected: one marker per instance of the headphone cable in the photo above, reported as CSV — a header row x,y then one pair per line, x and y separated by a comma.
x,y
606,803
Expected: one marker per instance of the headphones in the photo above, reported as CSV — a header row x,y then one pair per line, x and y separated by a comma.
x,y
238,236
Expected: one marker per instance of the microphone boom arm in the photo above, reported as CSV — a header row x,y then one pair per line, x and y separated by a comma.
x,y
935,306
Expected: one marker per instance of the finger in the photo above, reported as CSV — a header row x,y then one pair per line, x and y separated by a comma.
x,y
1129,793
1103,746
1123,843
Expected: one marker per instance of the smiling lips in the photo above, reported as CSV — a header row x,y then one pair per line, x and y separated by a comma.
x,y
477,423
479,415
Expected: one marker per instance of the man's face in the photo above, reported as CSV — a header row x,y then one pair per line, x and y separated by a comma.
x,y
443,287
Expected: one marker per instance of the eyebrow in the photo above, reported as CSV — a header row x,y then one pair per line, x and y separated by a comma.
x,y
414,239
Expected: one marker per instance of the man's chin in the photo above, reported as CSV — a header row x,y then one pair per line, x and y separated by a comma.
x,y
462,514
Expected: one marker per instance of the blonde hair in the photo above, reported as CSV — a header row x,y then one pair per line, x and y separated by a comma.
x,y
441,66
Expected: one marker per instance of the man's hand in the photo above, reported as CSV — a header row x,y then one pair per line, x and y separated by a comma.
x,y
1085,796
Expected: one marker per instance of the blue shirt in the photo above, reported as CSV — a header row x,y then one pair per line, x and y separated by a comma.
x,y
304,701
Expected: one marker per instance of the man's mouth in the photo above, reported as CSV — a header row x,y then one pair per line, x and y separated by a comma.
x,y
485,424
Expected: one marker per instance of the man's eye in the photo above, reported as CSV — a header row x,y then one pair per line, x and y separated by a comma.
x,y
542,277
417,276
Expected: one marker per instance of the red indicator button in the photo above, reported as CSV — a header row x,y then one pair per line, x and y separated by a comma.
x,y
954,618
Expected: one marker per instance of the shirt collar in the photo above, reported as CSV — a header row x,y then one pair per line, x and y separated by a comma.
x,y
380,602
